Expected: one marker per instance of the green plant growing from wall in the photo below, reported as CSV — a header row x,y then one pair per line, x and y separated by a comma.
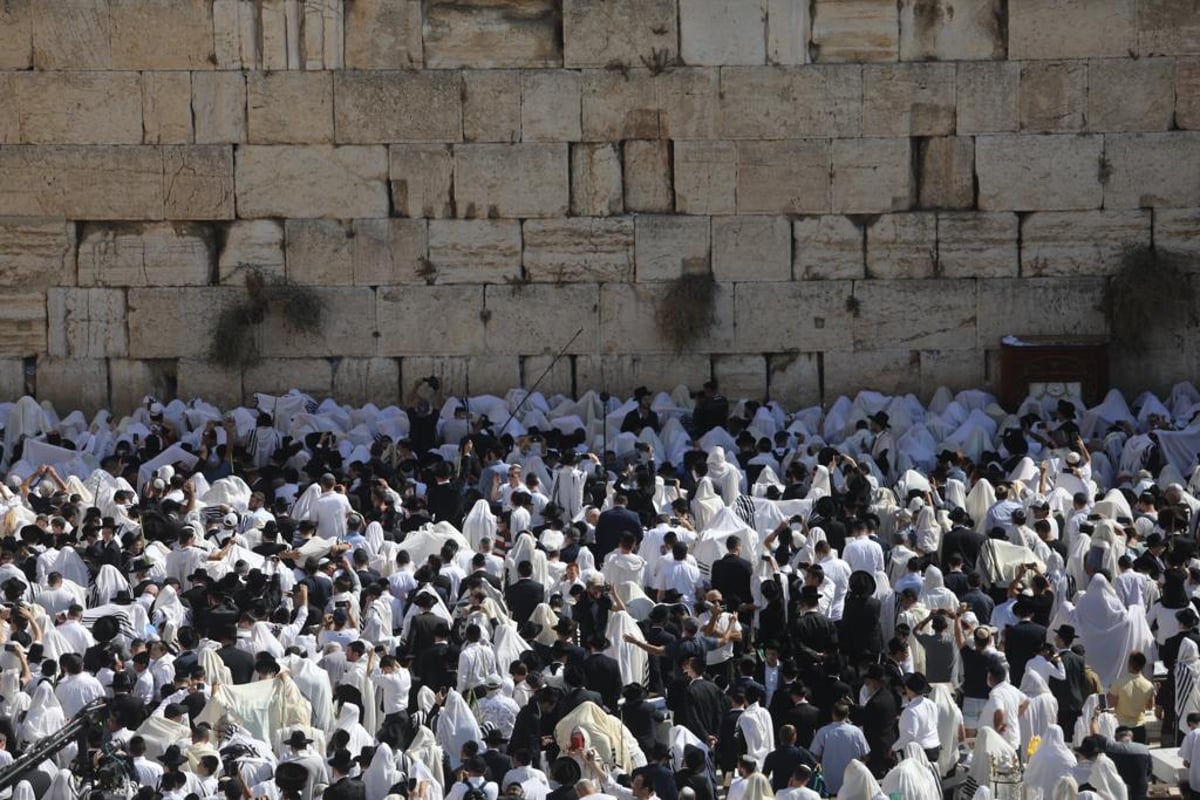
x,y
1148,290
688,309
235,343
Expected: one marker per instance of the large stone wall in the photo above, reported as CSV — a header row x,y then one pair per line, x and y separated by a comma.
x,y
881,189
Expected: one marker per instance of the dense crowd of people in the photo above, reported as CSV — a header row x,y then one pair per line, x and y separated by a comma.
x,y
674,597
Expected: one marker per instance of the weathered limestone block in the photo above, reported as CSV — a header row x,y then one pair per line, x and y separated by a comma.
x,y
619,31
279,26
248,36
1071,243
474,250
1187,93
619,105
988,97
787,32
492,33
167,107
550,106
628,320
451,371
741,375
312,376
580,249
219,107
670,246
722,32
783,177
1033,173
16,37
130,381
647,178
706,177
176,322
145,254
71,384
956,369
491,105
196,377
347,328
82,182
319,252
1039,307
752,248
1053,95
73,107
1167,27
493,374
542,317
400,106
922,315
596,189
74,35
1128,95
367,380
252,244
688,100
872,176
1177,231
946,174
557,377
389,251
621,374
977,245
22,323
908,100
902,246
177,35
511,180
312,181
290,107
1070,28
383,34
892,371
197,182
856,30
422,178
86,323
1148,170
951,30
36,253
828,248
780,103
794,379
791,316
227,35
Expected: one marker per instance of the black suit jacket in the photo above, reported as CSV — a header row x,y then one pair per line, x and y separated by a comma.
x,y
731,577
1070,692
420,631
603,675
1021,643
610,526
878,719
239,662
435,666
522,598
346,789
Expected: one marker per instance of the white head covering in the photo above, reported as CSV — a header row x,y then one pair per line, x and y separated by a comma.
x,y
1106,780
23,791
913,778
381,775
347,721
1108,629
44,717
479,523
858,783
1052,760
758,788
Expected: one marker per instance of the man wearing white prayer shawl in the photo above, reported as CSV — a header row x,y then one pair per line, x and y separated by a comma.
x,y
1108,630
725,477
756,727
1048,765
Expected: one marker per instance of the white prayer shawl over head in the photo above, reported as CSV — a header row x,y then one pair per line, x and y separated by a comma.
x,y
160,733
456,726
260,707
1109,630
109,581
1187,682
949,724
479,523
426,752
347,720
711,545
508,644
62,787
314,684
913,778
630,658
934,594
525,549
726,477
981,497
23,791
1041,711
859,784
990,747
758,788
44,717
706,502
1106,781
611,739
381,774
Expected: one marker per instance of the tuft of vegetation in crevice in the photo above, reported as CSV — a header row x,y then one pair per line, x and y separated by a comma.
x,y
1149,289
235,336
687,310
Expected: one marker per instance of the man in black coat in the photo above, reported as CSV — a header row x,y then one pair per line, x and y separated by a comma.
x,y
814,635
525,595
341,785
436,664
1071,691
602,672
612,523
731,575
1022,641
698,703
239,662
878,718
963,540
577,692
422,629
783,760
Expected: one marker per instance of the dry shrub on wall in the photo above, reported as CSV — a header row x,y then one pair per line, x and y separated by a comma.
x,y
1150,289
234,338
688,309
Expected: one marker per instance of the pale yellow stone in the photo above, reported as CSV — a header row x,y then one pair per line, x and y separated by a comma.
x,y
73,34
902,246
35,253
347,327
430,320
82,182
319,252
1128,95
988,96
219,107
856,30
73,384
175,36
312,181
491,105
474,251
828,248
706,177
145,254
198,182
251,244
617,32
497,33
389,251
629,314
1028,173
741,375
908,100
422,178
86,323
550,106
752,248
1074,243
951,30
75,107
668,246
402,106
871,176
808,316
1053,95
16,34
290,107
922,315
595,180
1152,170
518,180
790,176
647,178
619,104
977,245
1070,28
383,34
167,107
723,32
947,172
581,249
